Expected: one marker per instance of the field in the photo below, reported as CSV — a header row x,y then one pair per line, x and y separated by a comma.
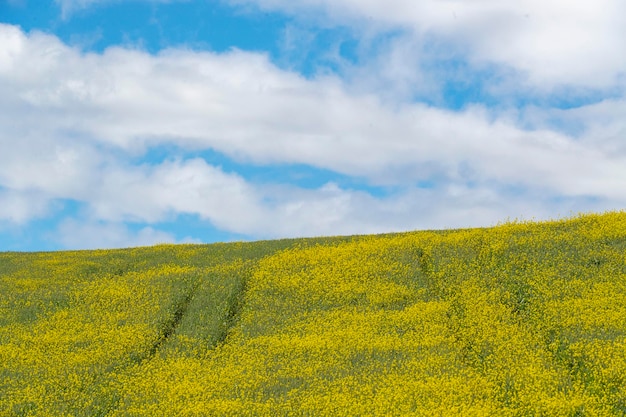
x,y
522,319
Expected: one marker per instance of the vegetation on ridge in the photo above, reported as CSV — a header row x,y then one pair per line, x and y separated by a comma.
x,y
519,319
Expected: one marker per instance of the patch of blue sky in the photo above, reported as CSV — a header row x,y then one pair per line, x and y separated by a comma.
x,y
320,50
464,82
566,125
196,25
191,228
497,91
37,235
576,201
463,85
495,87
202,25
565,97
13,239
41,234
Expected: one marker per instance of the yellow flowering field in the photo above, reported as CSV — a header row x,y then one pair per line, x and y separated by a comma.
x,y
519,319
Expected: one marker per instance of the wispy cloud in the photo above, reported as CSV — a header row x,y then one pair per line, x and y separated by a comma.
x,y
68,7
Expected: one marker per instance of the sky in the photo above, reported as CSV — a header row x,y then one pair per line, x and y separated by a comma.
x,y
137,122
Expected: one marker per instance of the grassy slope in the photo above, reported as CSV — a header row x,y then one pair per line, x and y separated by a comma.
x,y
521,319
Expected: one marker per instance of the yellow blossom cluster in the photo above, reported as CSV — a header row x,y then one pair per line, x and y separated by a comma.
x,y
519,319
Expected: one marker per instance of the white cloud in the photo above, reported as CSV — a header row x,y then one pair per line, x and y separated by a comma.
x,y
156,193
272,211
101,235
20,207
72,122
240,104
551,42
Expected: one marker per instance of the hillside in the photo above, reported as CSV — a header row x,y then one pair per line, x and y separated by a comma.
x,y
518,319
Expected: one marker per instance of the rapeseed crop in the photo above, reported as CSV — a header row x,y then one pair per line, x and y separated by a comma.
x,y
519,319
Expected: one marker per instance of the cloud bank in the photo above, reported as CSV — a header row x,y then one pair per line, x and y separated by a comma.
x,y
75,123
549,42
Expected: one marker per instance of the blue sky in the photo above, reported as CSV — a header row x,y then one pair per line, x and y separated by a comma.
x,y
126,123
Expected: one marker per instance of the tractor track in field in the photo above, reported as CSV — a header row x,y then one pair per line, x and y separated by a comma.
x,y
171,325
235,305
